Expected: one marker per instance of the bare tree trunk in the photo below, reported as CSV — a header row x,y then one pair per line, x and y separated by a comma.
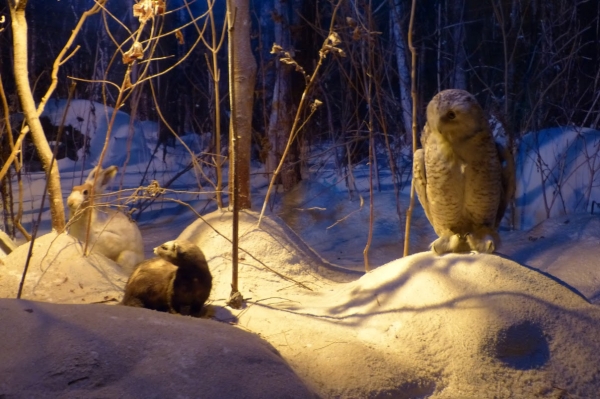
x,y
280,119
19,29
6,147
402,64
242,69
234,186
6,197
459,78
242,77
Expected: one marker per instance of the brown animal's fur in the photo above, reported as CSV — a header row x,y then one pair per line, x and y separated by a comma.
x,y
177,281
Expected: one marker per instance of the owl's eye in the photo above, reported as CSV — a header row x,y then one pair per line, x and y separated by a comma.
x,y
451,115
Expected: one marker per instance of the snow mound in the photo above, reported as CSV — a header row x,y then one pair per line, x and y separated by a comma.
x,y
422,326
272,246
99,351
58,272
451,326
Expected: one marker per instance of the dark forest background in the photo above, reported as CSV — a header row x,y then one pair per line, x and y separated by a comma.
x,y
532,64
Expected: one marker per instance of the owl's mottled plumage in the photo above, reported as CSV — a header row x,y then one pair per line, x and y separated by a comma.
x,y
463,178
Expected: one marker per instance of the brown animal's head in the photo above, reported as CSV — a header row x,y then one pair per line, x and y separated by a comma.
x,y
180,252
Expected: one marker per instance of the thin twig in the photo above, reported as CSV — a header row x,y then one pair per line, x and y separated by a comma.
x,y
413,92
322,53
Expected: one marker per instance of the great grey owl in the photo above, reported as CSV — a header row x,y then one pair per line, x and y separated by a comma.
x,y
463,178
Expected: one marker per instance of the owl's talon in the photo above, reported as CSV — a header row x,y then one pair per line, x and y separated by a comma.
x,y
433,248
440,246
481,244
449,243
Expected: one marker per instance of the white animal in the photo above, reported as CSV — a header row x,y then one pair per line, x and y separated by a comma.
x,y
463,178
111,233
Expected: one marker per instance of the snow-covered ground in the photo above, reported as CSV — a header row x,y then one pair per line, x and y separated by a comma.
x,y
516,324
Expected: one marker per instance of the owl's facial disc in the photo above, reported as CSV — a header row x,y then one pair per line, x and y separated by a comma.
x,y
457,122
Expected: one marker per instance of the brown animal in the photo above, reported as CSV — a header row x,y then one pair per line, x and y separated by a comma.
x,y
177,281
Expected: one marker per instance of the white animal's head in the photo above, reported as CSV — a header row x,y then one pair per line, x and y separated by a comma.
x,y
456,115
80,195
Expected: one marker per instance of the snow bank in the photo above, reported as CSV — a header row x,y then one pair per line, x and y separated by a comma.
x,y
557,174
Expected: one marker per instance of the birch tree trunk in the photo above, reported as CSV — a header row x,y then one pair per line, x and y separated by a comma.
x,y
19,30
402,64
280,118
242,69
